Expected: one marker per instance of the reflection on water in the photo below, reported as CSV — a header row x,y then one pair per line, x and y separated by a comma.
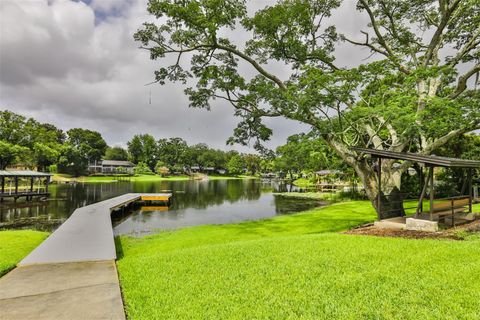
x,y
194,202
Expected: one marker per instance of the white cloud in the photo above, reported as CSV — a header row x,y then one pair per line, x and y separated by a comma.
x,y
63,65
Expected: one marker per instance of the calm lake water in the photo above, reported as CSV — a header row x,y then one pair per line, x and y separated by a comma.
x,y
193,203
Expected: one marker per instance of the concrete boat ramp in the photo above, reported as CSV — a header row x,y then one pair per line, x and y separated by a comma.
x,y
72,274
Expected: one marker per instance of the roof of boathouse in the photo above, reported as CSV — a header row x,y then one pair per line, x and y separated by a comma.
x,y
430,160
23,173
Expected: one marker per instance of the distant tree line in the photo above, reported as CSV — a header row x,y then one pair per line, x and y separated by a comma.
x,y
31,143
25,141
175,155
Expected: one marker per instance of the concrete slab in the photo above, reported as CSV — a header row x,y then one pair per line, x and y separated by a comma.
x,y
84,290
422,225
86,236
44,278
397,223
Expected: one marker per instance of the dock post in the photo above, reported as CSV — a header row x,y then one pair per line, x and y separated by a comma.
x,y
379,195
432,195
470,189
422,183
3,188
31,189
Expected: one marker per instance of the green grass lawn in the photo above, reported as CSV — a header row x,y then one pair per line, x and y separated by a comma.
x,y
137,178
327,196
303,183
294,267
215,177
15,245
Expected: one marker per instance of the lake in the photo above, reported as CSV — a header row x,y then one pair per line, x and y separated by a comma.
x,y
193,203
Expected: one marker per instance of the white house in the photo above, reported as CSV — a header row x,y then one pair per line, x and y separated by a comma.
x,y
111,166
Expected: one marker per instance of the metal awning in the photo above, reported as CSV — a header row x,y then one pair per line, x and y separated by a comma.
x,y
429,160
23,173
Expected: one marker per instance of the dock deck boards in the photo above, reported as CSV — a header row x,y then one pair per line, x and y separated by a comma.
x,y
86,236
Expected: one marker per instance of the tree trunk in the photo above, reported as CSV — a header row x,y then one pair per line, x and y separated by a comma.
x,y
391,198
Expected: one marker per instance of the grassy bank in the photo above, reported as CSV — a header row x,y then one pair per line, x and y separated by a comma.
x,y
140,178
214,177
137,178
62,178
15,245
327,196
294,267
303,183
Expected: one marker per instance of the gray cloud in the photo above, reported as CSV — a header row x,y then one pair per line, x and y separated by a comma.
x,y
64,65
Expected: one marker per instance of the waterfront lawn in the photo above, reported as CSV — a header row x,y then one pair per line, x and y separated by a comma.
x,y
223,177
15,245
303,183
327,196
136,178
293,267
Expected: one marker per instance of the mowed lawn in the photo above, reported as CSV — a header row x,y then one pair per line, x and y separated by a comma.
x,y
296,267
15,245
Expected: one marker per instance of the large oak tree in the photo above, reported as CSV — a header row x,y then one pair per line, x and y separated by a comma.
x,y
414,93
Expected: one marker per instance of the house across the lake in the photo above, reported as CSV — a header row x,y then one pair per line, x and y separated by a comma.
x,y
111,166
206,170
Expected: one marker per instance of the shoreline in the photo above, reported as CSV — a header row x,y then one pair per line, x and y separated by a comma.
x,y
67,179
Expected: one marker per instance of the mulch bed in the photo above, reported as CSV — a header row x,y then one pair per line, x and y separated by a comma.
x,y
450,234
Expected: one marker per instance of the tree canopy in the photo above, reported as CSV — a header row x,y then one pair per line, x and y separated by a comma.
x,y
116,153
29,141
415,92
143,148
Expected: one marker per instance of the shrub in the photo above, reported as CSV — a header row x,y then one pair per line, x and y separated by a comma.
x,y
142,168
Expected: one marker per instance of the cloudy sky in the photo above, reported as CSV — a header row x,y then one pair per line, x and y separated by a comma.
x,y
75,64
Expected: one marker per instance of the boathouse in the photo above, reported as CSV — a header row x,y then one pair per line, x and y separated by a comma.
x,y
23,183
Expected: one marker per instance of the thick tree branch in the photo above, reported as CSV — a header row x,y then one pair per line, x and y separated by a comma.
x,y
473,43
367,44
381,40
254,63
436,40
374,137
232,50
444,139
462,81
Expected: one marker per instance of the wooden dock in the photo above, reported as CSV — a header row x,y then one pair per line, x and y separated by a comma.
x,y
87,235
72,274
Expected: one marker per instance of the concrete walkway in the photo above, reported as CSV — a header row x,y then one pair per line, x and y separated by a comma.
x,y
72,274
79,290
